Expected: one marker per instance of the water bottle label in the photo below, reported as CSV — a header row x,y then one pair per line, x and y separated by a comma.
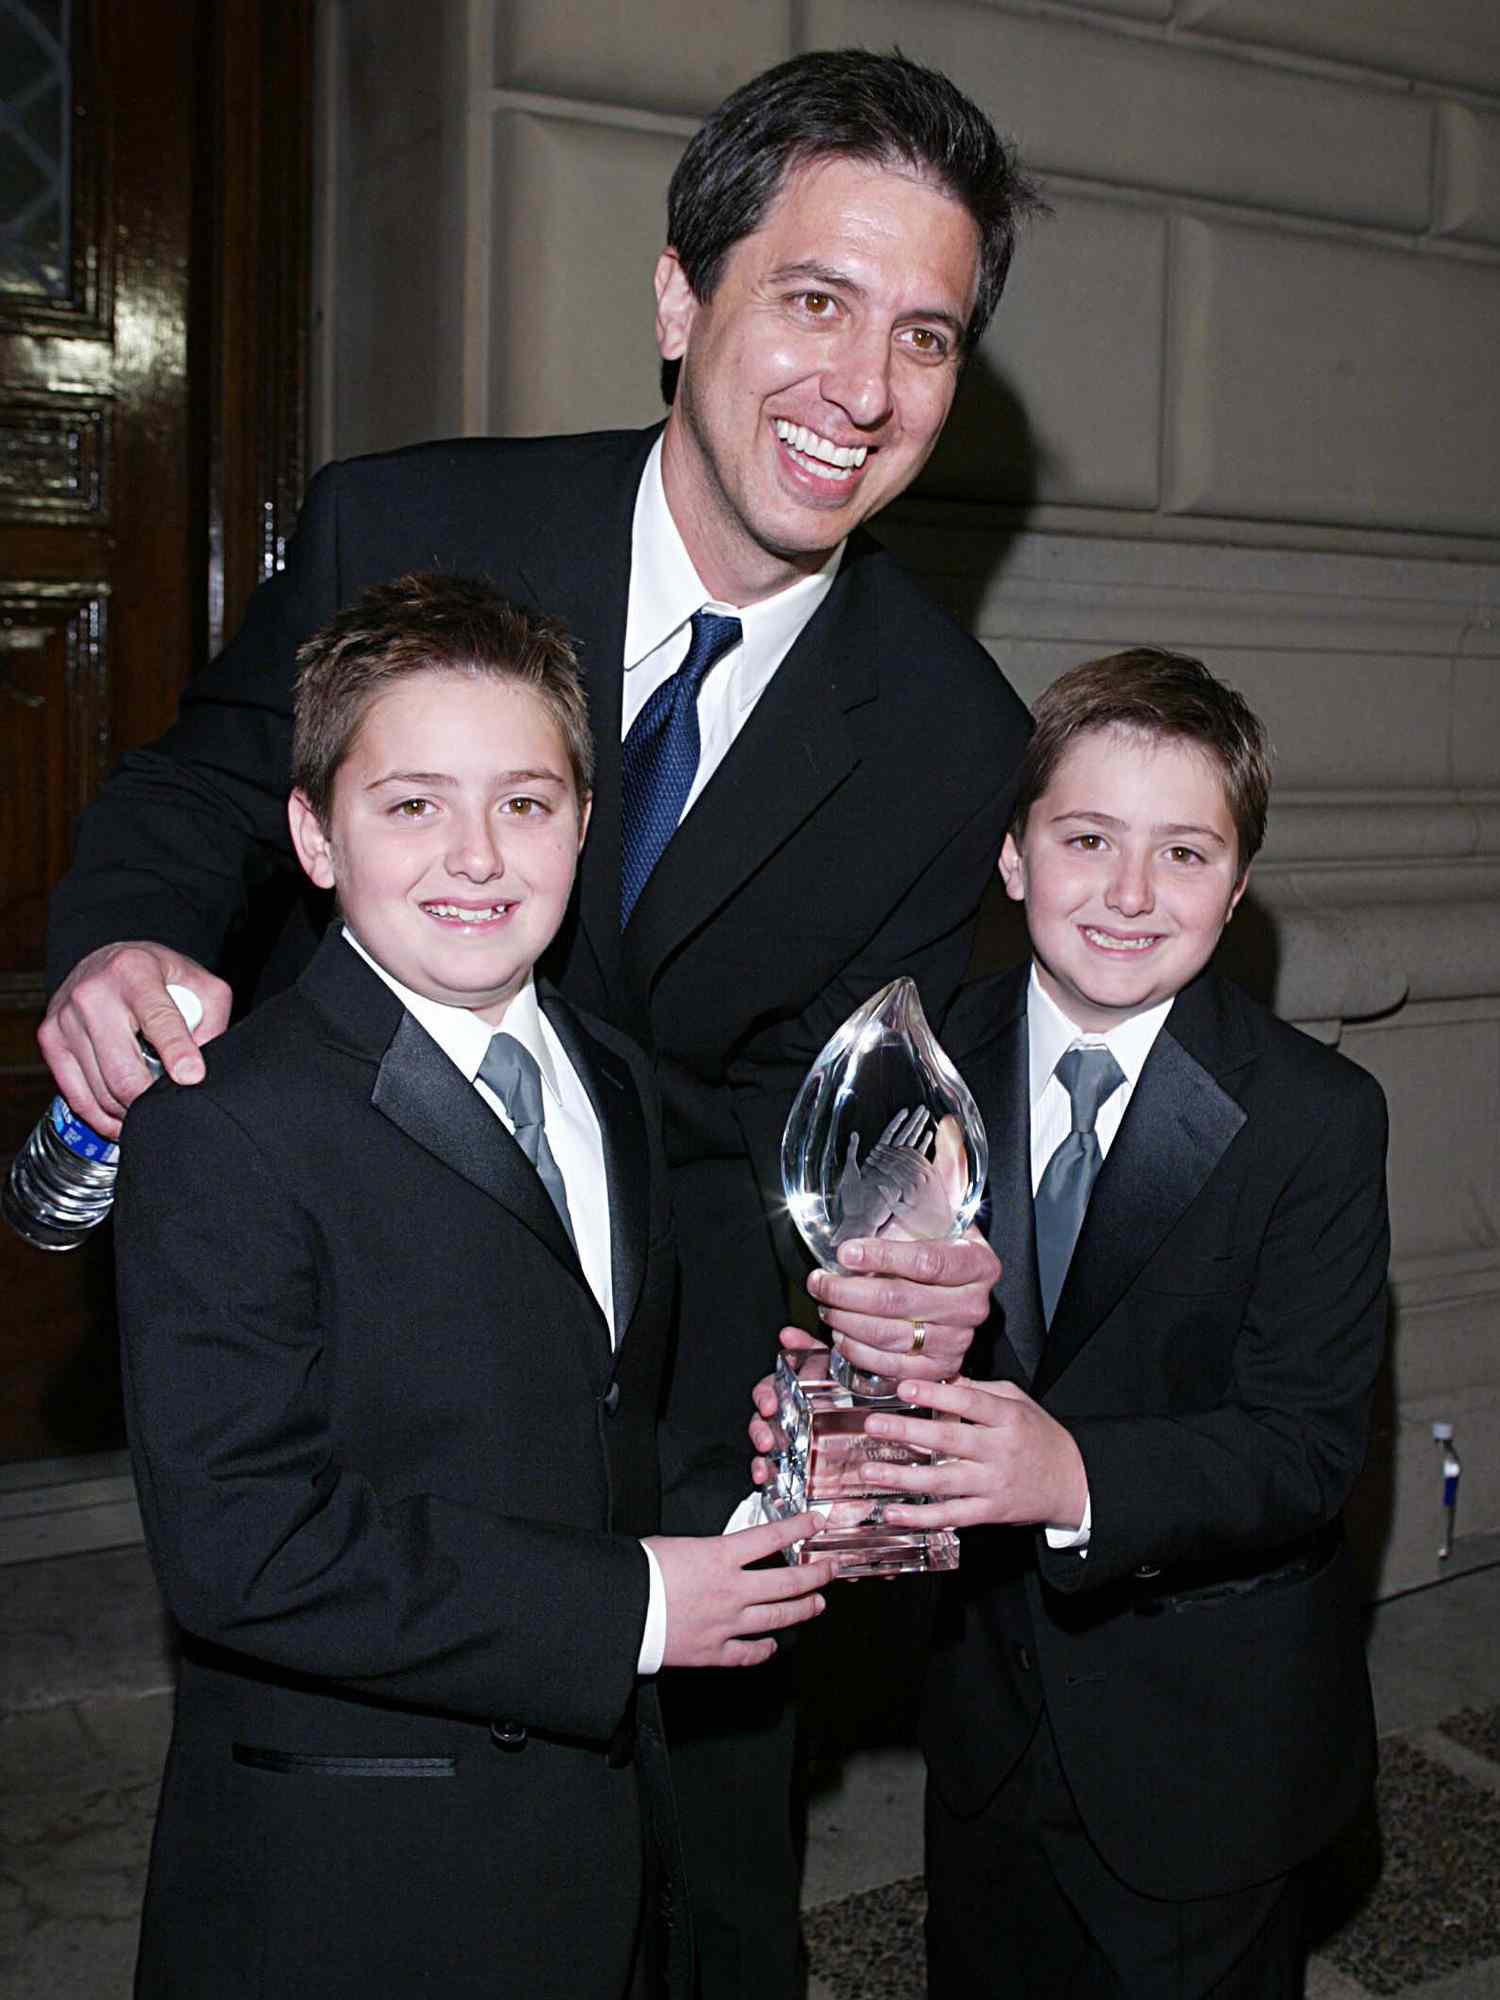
x,y
80,1138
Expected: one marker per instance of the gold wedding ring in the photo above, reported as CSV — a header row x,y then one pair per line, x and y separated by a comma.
x,y
918,1336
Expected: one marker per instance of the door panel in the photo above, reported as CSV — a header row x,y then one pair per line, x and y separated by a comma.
x,y
153,297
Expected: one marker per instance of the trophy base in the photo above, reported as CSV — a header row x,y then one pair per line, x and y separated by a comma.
x,y
830,1463
871,1549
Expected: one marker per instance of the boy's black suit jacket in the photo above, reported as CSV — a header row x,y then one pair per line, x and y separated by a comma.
x,y
847,837
1213,1352
392,1477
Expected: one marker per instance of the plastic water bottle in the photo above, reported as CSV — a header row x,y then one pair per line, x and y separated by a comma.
x,y
61,1183
1442,1436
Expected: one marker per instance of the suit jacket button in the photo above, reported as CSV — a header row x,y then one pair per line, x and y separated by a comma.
x,y
508,1735
612,1399
1146,1571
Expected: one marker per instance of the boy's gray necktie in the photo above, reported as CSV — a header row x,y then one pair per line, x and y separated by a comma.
x,y
510,1070
1062,1196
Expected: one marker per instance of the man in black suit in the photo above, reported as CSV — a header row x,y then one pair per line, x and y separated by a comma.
x,y
839,233
1147,1702
395,1298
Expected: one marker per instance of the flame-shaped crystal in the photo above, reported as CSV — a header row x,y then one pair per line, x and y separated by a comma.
x,y
884,1137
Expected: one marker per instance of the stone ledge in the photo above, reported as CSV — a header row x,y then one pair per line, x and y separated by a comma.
x,y
80,1627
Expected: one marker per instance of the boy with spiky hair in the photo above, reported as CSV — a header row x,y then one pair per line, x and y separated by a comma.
x,y
395,1289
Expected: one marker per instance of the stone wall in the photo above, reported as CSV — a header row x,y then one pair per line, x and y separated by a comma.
x,y
1241,397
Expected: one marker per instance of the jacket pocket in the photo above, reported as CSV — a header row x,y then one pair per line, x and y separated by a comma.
x,y
1193,1277
300,1764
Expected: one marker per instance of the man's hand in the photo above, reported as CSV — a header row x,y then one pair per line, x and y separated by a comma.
x,y
1009,1461
720,1612
88,1037
886,1285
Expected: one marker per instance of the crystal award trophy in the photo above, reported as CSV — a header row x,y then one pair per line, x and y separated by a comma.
x,y
884,1139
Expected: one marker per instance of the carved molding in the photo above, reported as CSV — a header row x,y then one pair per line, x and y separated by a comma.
x,y
54,458
1018,587
54,750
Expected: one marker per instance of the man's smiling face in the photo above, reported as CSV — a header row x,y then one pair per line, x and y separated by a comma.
x,y
816,379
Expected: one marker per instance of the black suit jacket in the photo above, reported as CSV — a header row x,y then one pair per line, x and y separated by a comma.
x,y
1213,1351
392,1477
845,839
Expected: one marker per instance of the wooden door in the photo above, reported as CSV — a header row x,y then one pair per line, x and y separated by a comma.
x,y
154,192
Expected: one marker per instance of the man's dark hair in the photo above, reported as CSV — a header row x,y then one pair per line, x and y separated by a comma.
x,y
1168,697
427,623
854,104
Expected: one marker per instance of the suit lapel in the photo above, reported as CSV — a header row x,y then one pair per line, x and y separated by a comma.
x,y
794,750
1176,1129
418,1089
425,1096
622,1124
577,566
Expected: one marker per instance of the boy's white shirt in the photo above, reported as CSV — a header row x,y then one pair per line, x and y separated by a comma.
x,y
572,1129
1050,1034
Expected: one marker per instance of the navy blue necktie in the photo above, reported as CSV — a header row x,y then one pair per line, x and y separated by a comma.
x,y
1062,1195
659,760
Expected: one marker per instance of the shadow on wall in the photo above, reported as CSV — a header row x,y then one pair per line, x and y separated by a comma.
x,y
988,457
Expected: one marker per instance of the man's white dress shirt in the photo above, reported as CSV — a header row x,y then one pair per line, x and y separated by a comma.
x,y
665,591
1050,1034
572,1129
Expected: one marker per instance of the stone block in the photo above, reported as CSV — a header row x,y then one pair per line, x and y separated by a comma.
x,y
1061,403
1347,720
1325,381
676,55
1468,176
399,372
1158,115
1476,721
1375,829
1447,1310
1137,10
579,222
1316,968
1441,1078
1451,41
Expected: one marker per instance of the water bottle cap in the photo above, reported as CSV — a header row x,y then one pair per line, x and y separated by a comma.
x,y
1442,1433
189,1006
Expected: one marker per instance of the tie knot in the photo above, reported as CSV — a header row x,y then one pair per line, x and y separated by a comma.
x,y
712,638
510,1070
1088,1076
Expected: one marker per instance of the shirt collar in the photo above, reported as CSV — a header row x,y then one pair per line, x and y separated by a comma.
x,y
1050,1034
460,1034
665,589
